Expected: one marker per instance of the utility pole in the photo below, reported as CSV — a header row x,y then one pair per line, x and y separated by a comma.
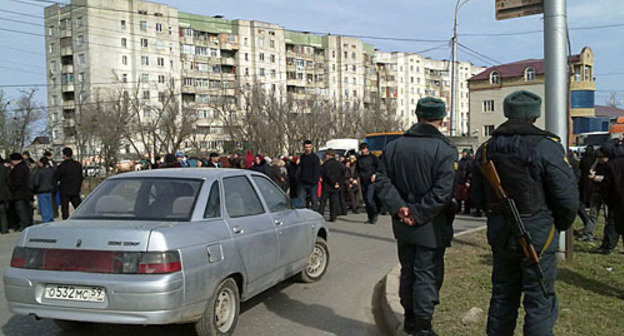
x,y
556,77
453,71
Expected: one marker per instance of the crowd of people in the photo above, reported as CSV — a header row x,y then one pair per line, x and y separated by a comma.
x,y
311,181
54,184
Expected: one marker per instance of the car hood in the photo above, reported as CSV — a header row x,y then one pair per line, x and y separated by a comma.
x,y
107,235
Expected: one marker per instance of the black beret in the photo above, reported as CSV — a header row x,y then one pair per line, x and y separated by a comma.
x,y
431,108
522,105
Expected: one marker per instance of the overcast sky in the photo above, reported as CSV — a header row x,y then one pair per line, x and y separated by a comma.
x,y
24,62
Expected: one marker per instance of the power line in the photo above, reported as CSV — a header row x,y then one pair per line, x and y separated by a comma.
x,y
480,54
541,31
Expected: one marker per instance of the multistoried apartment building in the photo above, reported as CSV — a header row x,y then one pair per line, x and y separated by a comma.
x,y
153,49
404,78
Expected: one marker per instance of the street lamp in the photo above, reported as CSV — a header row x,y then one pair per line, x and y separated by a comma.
x,y
458,5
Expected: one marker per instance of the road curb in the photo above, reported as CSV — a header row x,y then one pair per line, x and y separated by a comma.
x,y
390,305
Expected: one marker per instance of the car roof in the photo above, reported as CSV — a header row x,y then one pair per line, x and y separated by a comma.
x,y
193,173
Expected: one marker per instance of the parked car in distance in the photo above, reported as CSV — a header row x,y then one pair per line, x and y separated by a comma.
x,y
166,246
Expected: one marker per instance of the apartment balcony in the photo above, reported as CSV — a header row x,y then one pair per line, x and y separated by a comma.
x,y
69,68
295,82
66,33
222,76
67,51
228,61
67,87
582,85
228,46
69,105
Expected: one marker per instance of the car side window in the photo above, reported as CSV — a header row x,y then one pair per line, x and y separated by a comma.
x,y
275,198
240,197
213,207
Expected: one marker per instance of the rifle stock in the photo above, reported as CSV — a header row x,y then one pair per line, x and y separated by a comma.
x,y
488,169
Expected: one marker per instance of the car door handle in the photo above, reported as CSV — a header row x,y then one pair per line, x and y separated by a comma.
x,y
238,230
279,223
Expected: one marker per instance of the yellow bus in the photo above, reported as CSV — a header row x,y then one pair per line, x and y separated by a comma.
x,y
377,141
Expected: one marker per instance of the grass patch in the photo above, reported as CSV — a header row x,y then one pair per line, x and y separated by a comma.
x,y
588,293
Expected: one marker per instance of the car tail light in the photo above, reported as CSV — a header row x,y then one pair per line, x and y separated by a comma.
x,y
159,262
96,261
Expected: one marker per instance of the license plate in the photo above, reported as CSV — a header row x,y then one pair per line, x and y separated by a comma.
x,y
75,293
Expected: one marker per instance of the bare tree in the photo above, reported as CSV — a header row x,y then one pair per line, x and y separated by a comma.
x,y
21,123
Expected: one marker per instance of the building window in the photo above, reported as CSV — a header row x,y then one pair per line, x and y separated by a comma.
x,y
161,96
146,95
51,48
261,57
588,73
53,65
529,74
246,71
246,41
488,130
124,42
144,60
273,73
346,54
246,57
159,27
161,79
188,48
79,21
143,25
124,60
272,43
261,71
80,40
144,43
123,24
160,61
81,59
488,106
495,77
51,30
124,78
272,58
188,82
145,78
333,54
188,32
353,55
261,42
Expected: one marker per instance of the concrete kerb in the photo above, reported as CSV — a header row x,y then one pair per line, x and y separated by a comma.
x,y
390,305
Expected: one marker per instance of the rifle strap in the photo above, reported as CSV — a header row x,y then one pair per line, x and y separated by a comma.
x,y
549,240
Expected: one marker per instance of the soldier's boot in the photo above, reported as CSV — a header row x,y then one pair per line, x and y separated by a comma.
x,y
419,327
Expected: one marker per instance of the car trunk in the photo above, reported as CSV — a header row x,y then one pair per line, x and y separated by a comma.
x,y
100,235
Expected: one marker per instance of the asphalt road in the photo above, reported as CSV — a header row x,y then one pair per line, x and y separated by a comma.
x,y
341,304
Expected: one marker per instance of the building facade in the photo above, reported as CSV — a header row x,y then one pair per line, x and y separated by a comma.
x,y
153,49
489,88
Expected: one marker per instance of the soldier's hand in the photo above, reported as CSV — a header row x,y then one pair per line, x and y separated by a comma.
x,y
406,217
373,178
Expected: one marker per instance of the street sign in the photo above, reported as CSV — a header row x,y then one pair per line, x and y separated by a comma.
x,y
509,9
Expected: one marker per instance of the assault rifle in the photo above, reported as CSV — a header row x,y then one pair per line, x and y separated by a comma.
x,y
513,216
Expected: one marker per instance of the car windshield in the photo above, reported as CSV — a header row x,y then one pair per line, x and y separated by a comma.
x,y
167,199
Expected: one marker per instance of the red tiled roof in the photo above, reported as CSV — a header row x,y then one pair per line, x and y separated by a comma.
x,y
516,69
608,111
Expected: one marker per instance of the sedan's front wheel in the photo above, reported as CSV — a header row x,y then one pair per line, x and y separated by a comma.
x,y
317,263
222,311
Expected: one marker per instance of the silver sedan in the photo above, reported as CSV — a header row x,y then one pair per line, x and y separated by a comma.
x,y
166,246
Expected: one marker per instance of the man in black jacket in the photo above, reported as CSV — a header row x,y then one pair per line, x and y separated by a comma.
x,y
309,173
332,173
415,182
5,197
19,184
69,177
365,168
44,184
534,171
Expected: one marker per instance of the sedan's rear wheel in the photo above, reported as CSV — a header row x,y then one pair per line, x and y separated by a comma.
x,y
222,311
71,325
317,263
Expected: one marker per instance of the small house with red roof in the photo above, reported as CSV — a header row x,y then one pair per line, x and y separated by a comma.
x,y
489,88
